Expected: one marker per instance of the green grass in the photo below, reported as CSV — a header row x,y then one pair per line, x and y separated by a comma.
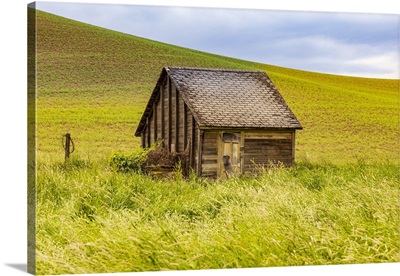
x,y
338,205
93,220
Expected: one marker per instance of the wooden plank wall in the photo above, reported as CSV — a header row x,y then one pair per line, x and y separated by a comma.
x,y
172,123
209,159
165,113
262,148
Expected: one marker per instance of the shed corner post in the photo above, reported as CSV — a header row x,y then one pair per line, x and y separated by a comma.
x,y
293,147
142,140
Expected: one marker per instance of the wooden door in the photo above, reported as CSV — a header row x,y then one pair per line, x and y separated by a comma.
x,y
231,158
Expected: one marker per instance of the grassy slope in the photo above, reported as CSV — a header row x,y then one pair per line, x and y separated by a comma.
x,y
95,83
94,220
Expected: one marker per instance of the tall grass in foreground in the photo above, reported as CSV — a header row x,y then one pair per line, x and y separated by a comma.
x,y
93,220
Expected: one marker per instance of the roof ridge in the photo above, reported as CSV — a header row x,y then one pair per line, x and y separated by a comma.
x,y
213,69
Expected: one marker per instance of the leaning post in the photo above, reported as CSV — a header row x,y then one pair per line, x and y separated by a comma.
x,y
67,146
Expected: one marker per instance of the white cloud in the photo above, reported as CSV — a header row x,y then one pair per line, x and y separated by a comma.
x,y
386,64
332,55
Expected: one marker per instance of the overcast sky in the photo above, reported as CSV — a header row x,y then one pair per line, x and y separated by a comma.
x,y
357,44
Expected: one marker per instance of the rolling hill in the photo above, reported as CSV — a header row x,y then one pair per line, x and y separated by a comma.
x,y
94,83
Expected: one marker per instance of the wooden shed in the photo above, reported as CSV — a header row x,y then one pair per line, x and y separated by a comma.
x,y
229,121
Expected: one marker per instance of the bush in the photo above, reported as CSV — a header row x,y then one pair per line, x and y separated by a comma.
x,y
129,163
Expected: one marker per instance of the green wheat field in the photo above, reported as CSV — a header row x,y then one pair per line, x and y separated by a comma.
x,y
338,205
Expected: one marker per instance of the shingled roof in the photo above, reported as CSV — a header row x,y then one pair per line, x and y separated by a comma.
x,y
229,98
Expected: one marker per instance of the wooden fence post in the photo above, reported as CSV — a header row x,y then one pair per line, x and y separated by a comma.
x,y
67,146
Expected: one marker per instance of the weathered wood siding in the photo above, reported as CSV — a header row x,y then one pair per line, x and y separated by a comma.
x,y
172,123
209,158
263,148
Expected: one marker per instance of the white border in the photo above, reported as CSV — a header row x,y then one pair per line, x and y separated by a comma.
x,y
13,130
